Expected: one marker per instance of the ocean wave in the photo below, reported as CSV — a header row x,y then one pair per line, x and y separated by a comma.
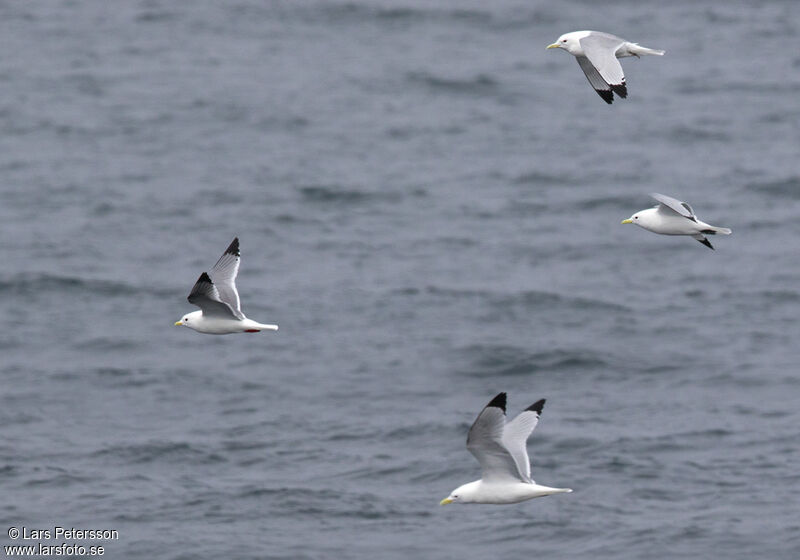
x,y
528,300
312,501
107,344
358,13
58,478
155,16
788,188
684,134
124,377
341,195
35,283
622,203
8,418
489,360
159,451
480,84
542,178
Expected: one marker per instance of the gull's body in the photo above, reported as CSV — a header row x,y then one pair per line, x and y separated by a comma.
x,y
673,217
597,54
221,325
501,450
480,492
218,300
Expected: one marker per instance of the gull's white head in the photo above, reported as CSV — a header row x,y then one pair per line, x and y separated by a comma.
x,y
570,42
189,319
632,220
644,218
461,495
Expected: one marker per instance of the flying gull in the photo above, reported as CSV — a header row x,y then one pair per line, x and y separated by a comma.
x,y
500,448
597,54
673,217
216,296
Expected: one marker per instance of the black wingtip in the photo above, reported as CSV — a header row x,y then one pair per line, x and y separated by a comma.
x,y
606,94
707,243
233,248
620,89
204,279
499,402
537,406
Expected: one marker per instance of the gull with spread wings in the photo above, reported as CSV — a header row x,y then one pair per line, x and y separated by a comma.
x,y
216,296
673,217
597,54
500,448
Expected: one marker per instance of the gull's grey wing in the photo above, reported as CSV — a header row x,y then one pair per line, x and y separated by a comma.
x,y
205,296
516,434
601,66
681,208
224,277
485,442
595,79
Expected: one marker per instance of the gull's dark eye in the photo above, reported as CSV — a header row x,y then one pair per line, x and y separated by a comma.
x,y
563,40
636,217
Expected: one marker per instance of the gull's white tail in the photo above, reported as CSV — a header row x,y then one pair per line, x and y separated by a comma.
x,y
720,230
639,50
547,490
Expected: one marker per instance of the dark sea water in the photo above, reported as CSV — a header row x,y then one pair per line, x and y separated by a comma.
x,y
428,203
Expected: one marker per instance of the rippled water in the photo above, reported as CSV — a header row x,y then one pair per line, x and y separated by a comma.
x,y
428,204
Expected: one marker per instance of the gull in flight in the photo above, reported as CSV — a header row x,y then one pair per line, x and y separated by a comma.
x,y
597,55
500,448
216,296
673,217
